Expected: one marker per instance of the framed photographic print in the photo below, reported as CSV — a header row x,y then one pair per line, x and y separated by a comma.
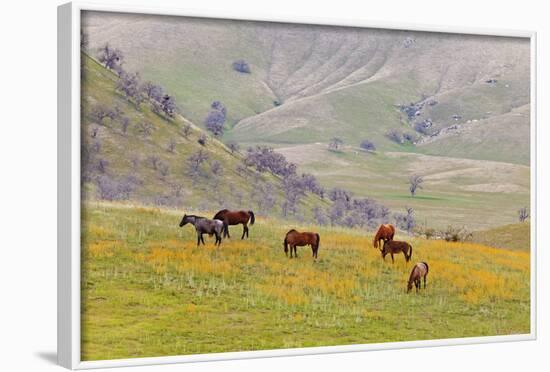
x,y
242,187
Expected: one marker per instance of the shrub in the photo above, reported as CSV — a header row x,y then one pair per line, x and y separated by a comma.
x,y
367,145
395,136
241,66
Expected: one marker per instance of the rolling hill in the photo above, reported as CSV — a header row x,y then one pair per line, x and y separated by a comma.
x,y
308,84
148,162
328,81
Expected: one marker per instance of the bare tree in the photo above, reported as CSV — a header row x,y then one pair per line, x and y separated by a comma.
x,y
186,130
406,221
395,136
195,162
124,124
234,147
154,161
523,214
145,128
415,182
171,147
109,57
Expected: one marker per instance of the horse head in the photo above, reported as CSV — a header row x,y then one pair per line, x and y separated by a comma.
x,y
184,220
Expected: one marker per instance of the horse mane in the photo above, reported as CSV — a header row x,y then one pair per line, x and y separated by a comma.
x,y
195,216
292,230
220,214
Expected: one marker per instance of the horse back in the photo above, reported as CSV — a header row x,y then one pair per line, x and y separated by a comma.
x,y
221,214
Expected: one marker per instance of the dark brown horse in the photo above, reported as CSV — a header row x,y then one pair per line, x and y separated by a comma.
x,y
419,271
234,218
393,246
385,232
295,239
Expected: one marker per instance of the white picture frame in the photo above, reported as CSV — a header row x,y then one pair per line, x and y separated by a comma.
x,y
68,322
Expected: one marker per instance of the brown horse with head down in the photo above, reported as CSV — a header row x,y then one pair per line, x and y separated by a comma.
x,y
295,238
385,232
393,246
234,218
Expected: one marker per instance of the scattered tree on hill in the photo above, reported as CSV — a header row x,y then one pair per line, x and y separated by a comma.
x,y
409,137
294,191
195,162
395,136
241,66
523,214
171,147
216,168
128,83
110,58
202,139
406,220
124,124
102,165
320,216
109,189
415,182
145,128
216,118
93,132
100,112
263,194
154,161
266,159
152,91
84,40
335,143
367,145
168,105
186,130
234,147
163,169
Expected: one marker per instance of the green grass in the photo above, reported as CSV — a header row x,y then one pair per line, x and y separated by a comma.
x,y
515,236
148,291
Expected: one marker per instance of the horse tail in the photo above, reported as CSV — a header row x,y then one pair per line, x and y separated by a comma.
x,y
410,252
252,218
318,239
285,243
427,267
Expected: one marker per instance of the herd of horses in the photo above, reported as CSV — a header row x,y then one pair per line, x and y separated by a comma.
x,y
383,239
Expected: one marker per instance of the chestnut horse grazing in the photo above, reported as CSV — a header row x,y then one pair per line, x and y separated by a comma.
x,y
295,238
385,232
393,246
420,270
234,218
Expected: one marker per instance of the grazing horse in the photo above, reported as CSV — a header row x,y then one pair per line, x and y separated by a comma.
x,y
393,246
204,226
385,232
234,218
420,270
294,238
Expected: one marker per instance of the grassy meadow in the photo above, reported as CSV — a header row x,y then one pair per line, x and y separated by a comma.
x,y
147,290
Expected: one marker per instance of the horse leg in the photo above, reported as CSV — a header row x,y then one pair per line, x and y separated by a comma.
x,y
392,260
291,251
295,252
244,231
383,254
226,229
424,281
198,239
202,240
